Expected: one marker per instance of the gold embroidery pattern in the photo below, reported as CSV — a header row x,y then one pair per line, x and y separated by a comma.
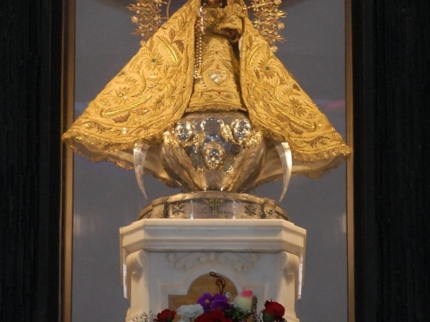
x,y
153,91
280,108
147,96
218,88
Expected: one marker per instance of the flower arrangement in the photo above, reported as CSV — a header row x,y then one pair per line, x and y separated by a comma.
x,y
220,308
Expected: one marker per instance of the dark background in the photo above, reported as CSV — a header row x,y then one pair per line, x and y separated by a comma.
x,y
392,188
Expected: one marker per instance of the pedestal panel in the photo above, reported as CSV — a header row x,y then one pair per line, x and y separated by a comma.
x,y
162,257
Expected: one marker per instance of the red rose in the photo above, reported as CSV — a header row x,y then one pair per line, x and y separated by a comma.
x,y
166,316
213,316
273,311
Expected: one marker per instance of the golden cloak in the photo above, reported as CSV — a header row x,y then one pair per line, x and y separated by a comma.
x,y
153,91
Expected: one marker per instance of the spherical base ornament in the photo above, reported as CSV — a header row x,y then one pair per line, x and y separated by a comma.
x,y
213,151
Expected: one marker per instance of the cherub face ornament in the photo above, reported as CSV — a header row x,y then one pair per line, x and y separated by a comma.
x,y
183,131
213,155
241,129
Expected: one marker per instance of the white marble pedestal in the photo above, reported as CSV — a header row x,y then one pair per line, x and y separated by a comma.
x,y
162,257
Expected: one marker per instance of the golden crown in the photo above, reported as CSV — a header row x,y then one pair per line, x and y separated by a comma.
x,y
149,16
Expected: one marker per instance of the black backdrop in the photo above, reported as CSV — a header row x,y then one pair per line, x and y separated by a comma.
x,y
392,187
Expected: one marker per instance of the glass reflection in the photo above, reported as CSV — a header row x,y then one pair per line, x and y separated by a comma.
x,y
107,197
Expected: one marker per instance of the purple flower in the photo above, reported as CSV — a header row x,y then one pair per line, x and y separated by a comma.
x,y
219,301
205,301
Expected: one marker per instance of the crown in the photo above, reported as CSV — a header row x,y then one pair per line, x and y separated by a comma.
x,y
149,17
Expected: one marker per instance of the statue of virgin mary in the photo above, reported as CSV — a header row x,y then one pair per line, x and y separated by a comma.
x,y
207,59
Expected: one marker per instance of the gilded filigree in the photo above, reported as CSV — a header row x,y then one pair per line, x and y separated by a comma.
x,y
267,15
214,203
149,17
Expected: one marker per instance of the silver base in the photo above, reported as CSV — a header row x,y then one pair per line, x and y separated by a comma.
x,y
213,204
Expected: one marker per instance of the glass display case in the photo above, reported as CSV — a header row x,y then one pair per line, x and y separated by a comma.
x,y
107,197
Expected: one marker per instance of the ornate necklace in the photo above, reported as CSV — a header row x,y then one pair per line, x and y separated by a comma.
x,y
198,59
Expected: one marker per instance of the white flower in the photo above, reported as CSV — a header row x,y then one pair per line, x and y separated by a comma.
x,y
188,312
244,300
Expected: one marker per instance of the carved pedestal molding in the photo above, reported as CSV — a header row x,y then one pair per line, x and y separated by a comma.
x,y
162,257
